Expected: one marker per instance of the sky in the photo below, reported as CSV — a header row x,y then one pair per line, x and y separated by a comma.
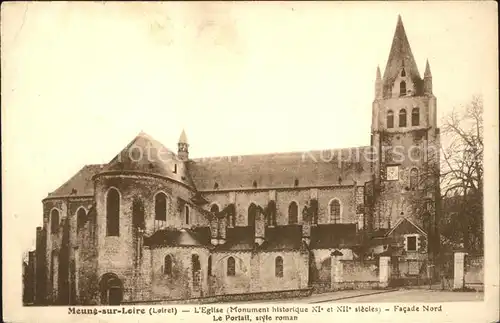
x,y
81,80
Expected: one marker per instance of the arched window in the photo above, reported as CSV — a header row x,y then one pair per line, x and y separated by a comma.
x,y
415,117
138,214
293,213
335,211
209,266
402,118
54,221
167,266
186,214
214,209
402,88
231,266
161,207
80,218
278,267
113,213
271,213
252,210
403,72
390,119
413,179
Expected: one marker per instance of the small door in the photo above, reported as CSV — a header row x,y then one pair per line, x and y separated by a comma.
x,y
115,296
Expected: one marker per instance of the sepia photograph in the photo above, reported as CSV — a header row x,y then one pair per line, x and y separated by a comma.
x,y
175,153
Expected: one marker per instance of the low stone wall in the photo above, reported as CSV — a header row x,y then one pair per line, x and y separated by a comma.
x,y
474,271
347,285
319,288
297,293
356,271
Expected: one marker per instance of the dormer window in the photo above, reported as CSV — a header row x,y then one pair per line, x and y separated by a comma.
x,y
296,183
402,88
254,184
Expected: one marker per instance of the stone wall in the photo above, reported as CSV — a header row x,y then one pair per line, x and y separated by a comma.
x,y
85,256
119,254
474,271
278,295
237,284
283,197
357,271
180,283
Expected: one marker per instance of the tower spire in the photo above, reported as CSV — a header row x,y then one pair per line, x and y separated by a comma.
x,y
427,79
378,84
427,72
400,59
183,147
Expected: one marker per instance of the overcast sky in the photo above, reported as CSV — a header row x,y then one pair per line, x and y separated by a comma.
x,y
81,80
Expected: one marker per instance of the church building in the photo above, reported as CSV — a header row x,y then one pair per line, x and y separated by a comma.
x,y
154,224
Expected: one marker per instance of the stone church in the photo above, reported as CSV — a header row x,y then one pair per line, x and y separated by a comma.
x,y
155,225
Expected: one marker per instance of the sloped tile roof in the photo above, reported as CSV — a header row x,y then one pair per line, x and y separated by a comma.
x,y
179,238
287,237
81,182
280,170
147,155
238,239
325,236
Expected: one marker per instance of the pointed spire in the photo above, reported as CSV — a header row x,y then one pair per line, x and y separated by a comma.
x,y
400,57
378,85
183,137
183,147
427,70
427,79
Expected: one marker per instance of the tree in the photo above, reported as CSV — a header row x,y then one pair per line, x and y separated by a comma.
x,y
462,176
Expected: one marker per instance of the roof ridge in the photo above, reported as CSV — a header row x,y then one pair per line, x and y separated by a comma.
x,y
278,153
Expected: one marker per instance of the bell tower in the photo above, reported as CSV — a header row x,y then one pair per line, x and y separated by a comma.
x,y
405,139
183,147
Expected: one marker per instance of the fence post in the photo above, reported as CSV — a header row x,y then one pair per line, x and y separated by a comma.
x,y
459,270
384,271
